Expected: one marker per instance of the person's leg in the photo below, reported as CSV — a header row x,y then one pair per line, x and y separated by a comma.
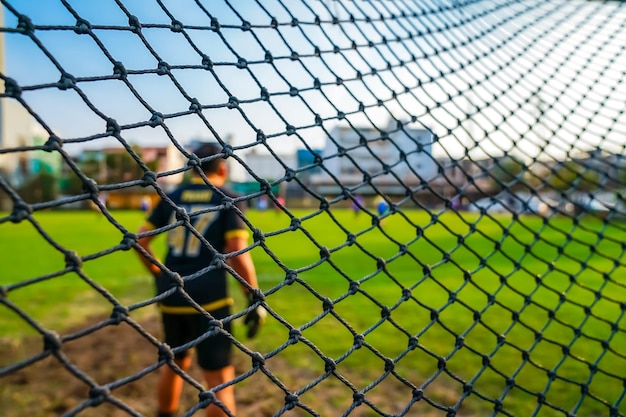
x,y
176,329
214,357
226,395
170,386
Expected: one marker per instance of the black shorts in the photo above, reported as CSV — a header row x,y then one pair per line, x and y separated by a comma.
x,y
213,352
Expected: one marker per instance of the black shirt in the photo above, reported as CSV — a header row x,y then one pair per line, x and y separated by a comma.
x,y
187,254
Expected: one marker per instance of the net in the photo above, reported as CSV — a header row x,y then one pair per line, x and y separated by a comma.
x,y
436,195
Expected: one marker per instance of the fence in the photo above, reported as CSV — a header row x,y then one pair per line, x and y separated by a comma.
x,y
491,133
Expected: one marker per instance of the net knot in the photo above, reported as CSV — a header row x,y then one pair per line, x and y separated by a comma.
x,y
358,398
327,304
380,264
120,70
459,342
195,106
51,341
256,296
354,287
258,236
11,88
324,253
233,102
206,398
291,277
497,406
413,342
257,360
418,393
98,394
207,64
215,326
265,96
72,260
82,27
149,178
175,280
113,128
290,175
176,26
156,119
291,400
295,224
359,340
66,82
389,365
294,336
119,314
329,364
242,63
246,26
163,68
135,25
166,354
215,24
54,143
25,25
21,210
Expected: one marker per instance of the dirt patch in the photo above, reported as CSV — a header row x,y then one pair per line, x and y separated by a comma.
x,y
125,357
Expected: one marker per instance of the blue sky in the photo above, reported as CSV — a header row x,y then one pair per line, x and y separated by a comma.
x,y
475,76
79,55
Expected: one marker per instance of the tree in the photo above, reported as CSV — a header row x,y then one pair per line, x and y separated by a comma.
x,y
39,188
574,176
508,173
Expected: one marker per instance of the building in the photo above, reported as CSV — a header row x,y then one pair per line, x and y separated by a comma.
x,y
391,160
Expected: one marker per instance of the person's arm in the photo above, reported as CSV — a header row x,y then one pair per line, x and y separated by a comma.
x,y
242,263
144,242
244,267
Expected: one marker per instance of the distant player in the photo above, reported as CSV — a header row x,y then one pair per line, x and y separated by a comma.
x,y
226,232
381,206
357,205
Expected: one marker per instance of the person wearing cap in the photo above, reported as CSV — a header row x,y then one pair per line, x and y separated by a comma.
x,y
211,224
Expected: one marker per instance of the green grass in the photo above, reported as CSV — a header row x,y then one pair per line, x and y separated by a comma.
x,y
517,292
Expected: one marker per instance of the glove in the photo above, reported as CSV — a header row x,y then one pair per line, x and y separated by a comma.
x,y
255,318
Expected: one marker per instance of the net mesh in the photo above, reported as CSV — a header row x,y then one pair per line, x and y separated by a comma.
x,y
469,153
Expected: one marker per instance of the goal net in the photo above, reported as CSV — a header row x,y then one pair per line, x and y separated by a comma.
x,y
435,195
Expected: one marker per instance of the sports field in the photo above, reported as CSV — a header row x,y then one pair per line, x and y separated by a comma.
x,y
516,311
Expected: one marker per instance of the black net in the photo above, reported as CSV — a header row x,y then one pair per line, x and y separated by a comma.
x,y
445,182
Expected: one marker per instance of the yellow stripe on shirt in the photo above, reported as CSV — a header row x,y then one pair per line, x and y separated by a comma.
x,y
243,233
212,306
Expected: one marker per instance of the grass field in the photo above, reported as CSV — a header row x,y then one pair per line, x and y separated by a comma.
x,y
467,290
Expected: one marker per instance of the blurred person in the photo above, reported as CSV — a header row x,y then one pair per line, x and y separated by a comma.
x,y
226,232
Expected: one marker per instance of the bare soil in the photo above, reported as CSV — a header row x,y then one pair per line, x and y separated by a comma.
x,y
58,385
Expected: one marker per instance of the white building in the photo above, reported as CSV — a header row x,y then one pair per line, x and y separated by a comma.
x,y
394,159
263,164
